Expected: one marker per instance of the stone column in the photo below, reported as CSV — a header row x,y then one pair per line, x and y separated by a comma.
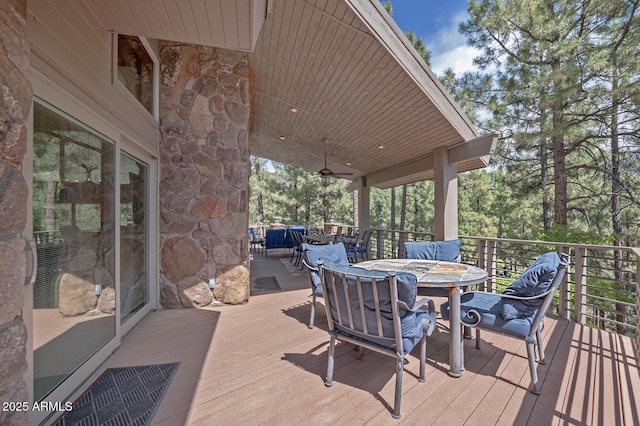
x,y
15,102
204,149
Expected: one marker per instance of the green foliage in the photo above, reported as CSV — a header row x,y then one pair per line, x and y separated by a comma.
x,y
293,196
564,234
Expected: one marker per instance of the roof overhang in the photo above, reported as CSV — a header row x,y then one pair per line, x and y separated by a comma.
x,y
344,65
355,80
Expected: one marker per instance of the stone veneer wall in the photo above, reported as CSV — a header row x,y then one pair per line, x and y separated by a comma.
x,y
204,184
15,103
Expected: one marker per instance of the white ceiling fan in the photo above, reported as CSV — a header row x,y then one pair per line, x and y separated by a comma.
x,y
326,172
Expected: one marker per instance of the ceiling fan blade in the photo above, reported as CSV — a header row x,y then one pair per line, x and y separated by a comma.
x,y
326,171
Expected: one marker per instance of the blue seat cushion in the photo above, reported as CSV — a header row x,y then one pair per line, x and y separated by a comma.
x,y
411,323
490,308
447,251
535,280
332,255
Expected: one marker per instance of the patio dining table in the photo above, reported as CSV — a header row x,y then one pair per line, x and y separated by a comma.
x,y
435,273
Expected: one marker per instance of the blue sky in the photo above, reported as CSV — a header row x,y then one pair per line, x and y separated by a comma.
x,y
436,21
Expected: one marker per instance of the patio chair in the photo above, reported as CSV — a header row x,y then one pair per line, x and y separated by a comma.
x,y
520,309
296,251
362,247
349,246
254,241
447,251
378,311
274,238
332,255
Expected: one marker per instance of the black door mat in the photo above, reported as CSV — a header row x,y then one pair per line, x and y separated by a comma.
x,y
122,396
265,284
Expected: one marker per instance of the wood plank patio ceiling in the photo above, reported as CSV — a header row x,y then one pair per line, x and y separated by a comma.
x,y
322,58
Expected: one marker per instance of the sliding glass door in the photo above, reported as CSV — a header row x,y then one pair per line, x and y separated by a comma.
x,y
96,253
134,235
74,217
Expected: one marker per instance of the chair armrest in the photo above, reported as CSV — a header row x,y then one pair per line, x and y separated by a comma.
x,y
314,269
510,296
419,304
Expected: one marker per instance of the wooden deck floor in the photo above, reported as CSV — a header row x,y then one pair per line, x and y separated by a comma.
x,y
260,364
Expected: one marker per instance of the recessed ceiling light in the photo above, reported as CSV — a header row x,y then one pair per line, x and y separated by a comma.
x,y
380,146
282,137
348,163
293,109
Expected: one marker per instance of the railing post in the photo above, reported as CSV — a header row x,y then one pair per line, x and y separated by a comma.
x,y
379,245
491,264
403,237
482,259
580,279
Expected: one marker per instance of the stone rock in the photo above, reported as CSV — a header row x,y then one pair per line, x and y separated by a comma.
x,y
173,129
12,275
180,257
77,295
217,103
171,223
208,270
241,70
102,276
220,123
232,285
202,231
13,200
237,202
236,174
189,147
182,161
178,205
194,293
169,294
107,300
85,260
179,183
200,118
207,166
229,154
208,207
13,350
236,112
219,187
225,255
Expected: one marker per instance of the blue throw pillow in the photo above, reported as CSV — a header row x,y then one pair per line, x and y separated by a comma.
x,y
330,254
448,251
535,280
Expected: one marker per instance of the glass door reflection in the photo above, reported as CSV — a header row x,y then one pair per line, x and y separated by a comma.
x,y
134,238
74,229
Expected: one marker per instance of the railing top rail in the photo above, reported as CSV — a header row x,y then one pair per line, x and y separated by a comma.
x,y
635,250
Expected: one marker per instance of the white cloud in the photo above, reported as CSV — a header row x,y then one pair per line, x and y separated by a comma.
x,y
459,58
449,48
